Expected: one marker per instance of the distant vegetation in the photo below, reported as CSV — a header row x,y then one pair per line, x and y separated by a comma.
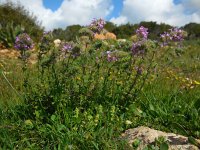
x,y
125,31
15,19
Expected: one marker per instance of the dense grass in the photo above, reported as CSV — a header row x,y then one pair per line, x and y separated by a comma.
x,y
91,118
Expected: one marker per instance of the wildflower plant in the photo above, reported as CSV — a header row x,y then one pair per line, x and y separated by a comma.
x,y
142,33
138,47
66,48
175,35
97,25
46,42
83,80
23,43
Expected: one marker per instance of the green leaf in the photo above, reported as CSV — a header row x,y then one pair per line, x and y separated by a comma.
x,y
53,117
164,146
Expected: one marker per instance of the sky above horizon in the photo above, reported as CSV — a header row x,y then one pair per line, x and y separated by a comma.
x,y
61,13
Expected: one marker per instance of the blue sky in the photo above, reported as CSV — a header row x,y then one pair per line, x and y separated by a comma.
x,y
61,13
55,4
52,4
118,5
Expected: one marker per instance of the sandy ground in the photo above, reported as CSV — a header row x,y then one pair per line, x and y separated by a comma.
x,y
14,54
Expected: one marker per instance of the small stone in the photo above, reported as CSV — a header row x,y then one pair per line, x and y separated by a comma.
x,y
148,136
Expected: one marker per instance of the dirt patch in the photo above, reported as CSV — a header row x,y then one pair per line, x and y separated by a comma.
x,y
14,54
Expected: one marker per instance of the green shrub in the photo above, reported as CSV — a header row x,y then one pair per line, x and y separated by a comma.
x,y
12,18
9,33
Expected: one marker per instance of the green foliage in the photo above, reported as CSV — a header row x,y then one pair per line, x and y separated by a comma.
x,y
9,33
110,26
80,100
16,16
83,81
125,31
69,34
86,32
193,30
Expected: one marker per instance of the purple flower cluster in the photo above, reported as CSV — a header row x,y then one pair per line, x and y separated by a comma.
x,y
66,47
142,32
110,57
175,35
23,42
165,38
97,25
138,47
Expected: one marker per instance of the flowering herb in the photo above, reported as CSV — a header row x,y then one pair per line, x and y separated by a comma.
x,y
23,42
142,32
66,47
165,38
97,25
138,48
175,35
110,57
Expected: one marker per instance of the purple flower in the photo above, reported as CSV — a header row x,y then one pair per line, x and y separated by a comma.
x,y
97,25
23,42
111,58
138,48
66,47
175,35
166,38
142,32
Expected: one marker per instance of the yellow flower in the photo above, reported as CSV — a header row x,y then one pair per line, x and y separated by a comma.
x,y
128,122
1,66
196,82
78,78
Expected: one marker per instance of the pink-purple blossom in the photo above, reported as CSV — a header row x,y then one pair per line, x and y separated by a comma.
x,y
174,35
142,32
138,47
66,47
23,42
97,25
110,57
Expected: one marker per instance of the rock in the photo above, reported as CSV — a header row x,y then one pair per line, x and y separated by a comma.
x,y
9,53
110,35
99,37
147,136
105,36
57,42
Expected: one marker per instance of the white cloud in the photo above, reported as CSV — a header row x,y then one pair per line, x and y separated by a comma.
x,y
119,20
70,11
158,10
191,4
